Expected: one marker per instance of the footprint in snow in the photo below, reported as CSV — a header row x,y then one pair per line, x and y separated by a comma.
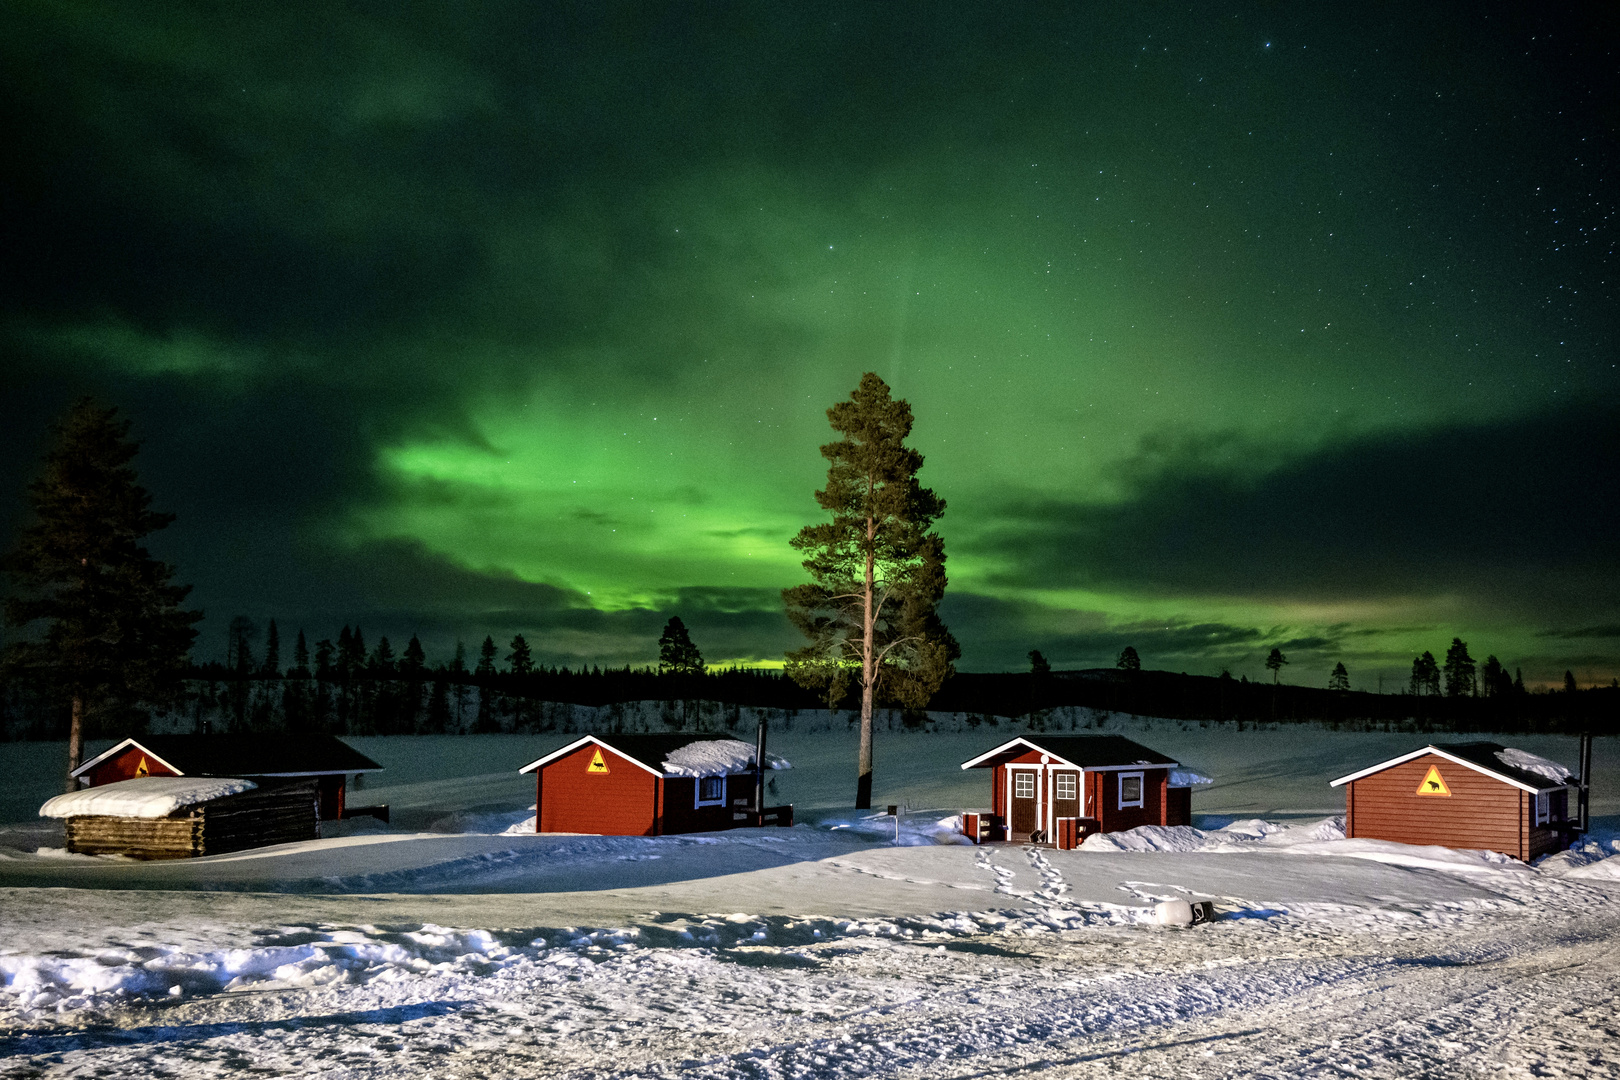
x,y
1003,876
1053,886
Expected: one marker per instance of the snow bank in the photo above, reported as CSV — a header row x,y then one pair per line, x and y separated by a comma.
x,y
903,830
717,757
1534,763
1188,778
143,797
1231,837
1324,837
1591,856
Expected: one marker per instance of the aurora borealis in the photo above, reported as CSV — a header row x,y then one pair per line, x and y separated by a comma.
x,y
1223,329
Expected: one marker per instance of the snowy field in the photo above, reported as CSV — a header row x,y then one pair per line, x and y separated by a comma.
x,y
444,946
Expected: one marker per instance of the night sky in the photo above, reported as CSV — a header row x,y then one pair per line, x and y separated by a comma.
x,y
1224,328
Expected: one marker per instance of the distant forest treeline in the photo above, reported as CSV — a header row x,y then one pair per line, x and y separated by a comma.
x,y
370,699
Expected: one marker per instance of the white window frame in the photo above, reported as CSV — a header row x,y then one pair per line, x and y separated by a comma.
x,y
1020,777
698,792
1141,789
1543,807
1065,780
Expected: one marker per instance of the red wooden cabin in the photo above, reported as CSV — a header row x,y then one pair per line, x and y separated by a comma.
x,y
324,758
1062,788
651,785
1462,795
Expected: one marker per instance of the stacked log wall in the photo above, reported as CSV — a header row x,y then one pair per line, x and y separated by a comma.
x,y
139,838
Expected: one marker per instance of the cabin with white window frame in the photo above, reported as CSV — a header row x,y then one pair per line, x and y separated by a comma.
x,y
1060,789
653,785
1475,795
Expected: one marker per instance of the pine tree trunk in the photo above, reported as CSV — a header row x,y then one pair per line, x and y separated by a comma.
x,y
863,782
75,742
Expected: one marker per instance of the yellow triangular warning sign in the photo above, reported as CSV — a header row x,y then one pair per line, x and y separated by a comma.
x,y
597,765
141,769
1433,783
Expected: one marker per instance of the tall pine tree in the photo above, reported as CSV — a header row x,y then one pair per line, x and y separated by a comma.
x,y
677,655
104,631
877,570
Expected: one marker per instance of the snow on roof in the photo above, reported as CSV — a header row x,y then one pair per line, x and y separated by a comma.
x,y
1188,778
1525,761
716,757
143,797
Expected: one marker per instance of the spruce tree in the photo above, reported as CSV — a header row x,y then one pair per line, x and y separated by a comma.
x,y
1340,679
877,570
382,661
1128,660
301,656
520,661
239,645
413,664
1274,664
486,658
115,638
1039,666
272,652
1459,670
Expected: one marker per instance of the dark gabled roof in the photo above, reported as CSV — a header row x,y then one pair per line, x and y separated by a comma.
x,y
247,755
1083,751
1480,756
1483,755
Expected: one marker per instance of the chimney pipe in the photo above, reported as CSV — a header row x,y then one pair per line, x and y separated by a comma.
x,y
1584,792
759,773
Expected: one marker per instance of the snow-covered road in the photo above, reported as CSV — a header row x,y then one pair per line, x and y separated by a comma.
x,y
1500,970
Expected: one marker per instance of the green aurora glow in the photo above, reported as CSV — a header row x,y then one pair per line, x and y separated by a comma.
x,y
567,296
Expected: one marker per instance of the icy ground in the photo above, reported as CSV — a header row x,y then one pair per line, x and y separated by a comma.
x,y
824,950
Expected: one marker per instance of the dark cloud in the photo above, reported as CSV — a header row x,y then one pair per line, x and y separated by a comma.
x,y
1583,632
1523,513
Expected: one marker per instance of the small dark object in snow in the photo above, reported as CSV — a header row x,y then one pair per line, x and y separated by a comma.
x,y
1203,911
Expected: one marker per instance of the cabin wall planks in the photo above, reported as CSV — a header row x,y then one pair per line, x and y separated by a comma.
x,y
1481,811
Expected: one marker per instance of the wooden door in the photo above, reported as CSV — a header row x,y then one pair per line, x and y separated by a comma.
x,y
1022,818
1066,795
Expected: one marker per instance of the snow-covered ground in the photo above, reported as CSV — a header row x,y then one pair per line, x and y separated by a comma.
x,y
445,946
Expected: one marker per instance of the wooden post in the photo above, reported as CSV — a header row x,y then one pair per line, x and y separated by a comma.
x,y
75,743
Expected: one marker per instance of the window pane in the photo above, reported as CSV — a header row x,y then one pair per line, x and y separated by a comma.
x,y
1023,785
712,788
1065,786
1130,789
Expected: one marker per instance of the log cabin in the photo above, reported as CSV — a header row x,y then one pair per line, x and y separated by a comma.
x,y
1060,789
652,785
265,759
177,817
1477,795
